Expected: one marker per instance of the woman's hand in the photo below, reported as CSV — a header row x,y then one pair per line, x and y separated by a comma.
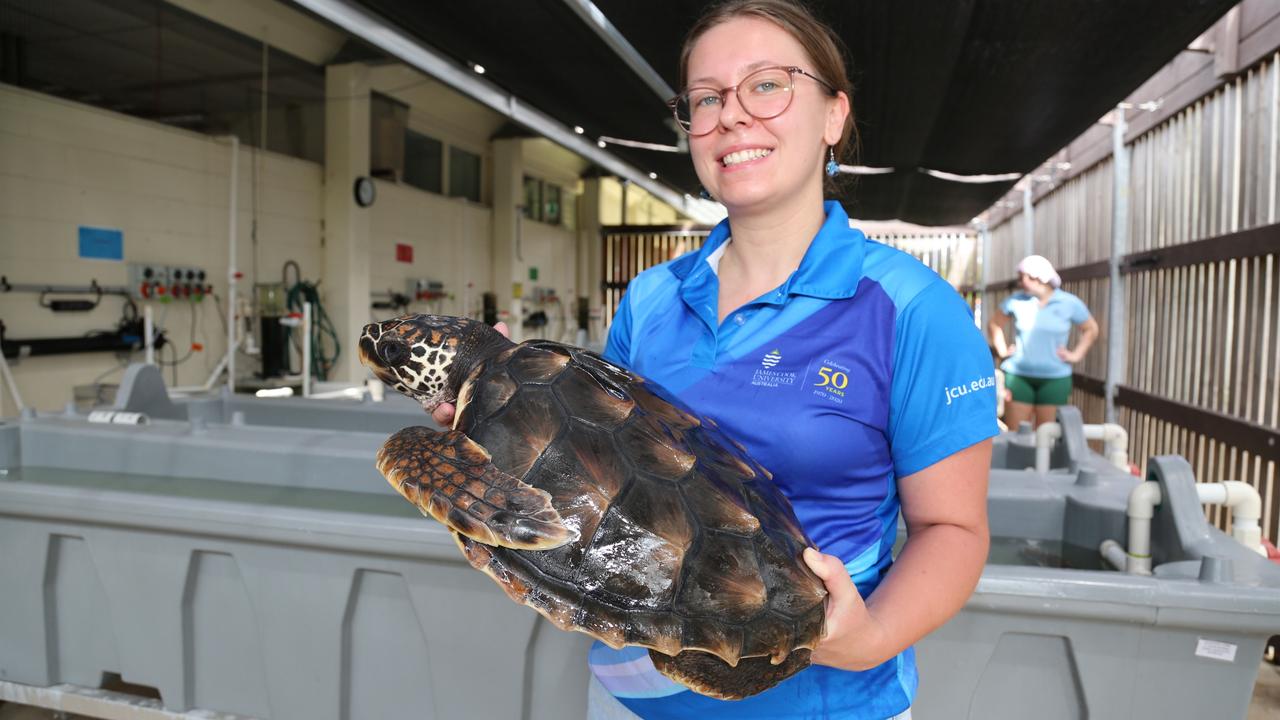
x,y
443,413
1070,356
1009,350
854,638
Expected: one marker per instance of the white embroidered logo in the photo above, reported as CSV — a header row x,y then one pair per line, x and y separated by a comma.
x,y
767,376
958,391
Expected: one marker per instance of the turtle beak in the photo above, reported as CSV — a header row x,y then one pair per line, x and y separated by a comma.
x,y
368,353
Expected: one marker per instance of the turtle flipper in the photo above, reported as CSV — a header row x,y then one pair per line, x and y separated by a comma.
x,y
452,478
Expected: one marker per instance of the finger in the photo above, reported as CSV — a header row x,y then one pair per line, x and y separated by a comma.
x,y
502,328
443,414
833,575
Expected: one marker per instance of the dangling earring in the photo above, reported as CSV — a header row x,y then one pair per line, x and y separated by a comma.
x,y
833,168
702,193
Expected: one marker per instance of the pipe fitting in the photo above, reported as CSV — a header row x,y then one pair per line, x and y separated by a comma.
x,y
1246,509
1115,441
1046,435
1143,500
1113,554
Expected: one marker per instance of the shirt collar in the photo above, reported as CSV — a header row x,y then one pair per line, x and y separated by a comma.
x,y
830,269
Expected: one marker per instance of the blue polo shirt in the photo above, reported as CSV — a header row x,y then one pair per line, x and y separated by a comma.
x,y
863,367
1041,331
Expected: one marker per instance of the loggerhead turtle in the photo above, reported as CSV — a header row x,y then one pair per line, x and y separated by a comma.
x,y
591,496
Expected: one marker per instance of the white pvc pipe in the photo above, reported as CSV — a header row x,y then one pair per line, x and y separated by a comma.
x,y
1113,554
306,349
232,272
515,324
1241,497
13,384
1046,435
148,330
1115,442
1246,510
1143,500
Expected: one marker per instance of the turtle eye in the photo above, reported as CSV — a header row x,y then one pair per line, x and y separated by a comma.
x,y
393,353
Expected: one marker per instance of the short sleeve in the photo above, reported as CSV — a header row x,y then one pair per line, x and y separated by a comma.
x,y
1079,311
943,391
1006,305
617,348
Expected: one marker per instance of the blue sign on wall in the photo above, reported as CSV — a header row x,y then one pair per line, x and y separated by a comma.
x,y
101,243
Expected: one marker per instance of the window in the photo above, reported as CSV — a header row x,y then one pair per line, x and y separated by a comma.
x,y
551,204
542,201
464,174
423,162
532,198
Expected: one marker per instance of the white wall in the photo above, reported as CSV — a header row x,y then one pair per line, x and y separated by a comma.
x,y
553,251
451,244
63,165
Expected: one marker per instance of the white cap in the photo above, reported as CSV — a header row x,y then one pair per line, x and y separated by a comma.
x,y
1039,267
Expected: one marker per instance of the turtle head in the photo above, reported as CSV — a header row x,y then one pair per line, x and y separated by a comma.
x,y
427,356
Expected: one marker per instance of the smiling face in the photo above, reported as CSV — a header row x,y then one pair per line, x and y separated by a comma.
x,y
750,164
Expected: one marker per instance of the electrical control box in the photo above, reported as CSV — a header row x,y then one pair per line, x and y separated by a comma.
x,y
188,283
168,283
422,289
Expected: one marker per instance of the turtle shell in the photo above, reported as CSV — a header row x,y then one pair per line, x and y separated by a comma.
x,y
683,541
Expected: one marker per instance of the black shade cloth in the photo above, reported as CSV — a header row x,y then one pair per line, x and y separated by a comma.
x,y
962,86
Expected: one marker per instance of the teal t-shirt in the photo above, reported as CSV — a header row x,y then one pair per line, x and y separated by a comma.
x,y
1041,331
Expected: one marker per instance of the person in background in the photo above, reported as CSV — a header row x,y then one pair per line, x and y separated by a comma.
x,y
1037,366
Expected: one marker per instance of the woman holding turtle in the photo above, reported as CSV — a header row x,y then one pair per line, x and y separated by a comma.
x,y
848,369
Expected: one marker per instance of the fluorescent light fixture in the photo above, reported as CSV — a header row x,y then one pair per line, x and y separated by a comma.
x,y
274,392
641,145
972,179
864,170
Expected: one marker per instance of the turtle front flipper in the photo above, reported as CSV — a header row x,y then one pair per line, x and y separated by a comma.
x,y
452,478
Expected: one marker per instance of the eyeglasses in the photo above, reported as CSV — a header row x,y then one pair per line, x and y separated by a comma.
x,y
764,94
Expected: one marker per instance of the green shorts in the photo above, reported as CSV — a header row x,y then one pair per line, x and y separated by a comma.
x,y
1038,391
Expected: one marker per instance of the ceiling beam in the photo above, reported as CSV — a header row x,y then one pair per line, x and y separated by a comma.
x,y
596,20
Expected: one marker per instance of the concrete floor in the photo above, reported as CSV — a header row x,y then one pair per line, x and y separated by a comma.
x,y
1265,705
1266,694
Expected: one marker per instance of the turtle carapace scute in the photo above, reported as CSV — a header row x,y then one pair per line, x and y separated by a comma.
x,y
597,499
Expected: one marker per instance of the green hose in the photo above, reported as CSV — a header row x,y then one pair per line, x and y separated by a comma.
x,y
321,328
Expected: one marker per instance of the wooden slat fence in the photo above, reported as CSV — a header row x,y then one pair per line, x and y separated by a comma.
x,y
1202,284
627,250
